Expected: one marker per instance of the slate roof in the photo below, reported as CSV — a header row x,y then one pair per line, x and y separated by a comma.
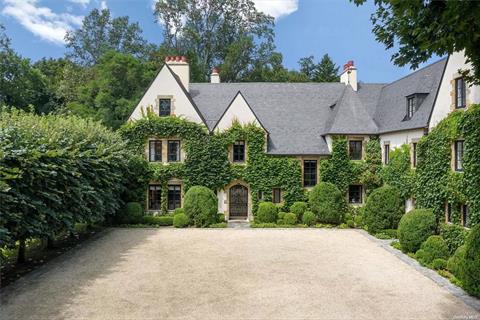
x,y
299,115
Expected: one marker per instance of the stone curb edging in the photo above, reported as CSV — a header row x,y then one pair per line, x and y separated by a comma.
x,y
431,274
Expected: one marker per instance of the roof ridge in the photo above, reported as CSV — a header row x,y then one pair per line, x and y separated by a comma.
x,y
416,71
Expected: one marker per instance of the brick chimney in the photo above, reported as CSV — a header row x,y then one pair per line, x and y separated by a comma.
x,y
215,76
180,67
349,75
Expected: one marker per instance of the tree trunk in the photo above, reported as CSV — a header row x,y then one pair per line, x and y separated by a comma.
x,y
21,251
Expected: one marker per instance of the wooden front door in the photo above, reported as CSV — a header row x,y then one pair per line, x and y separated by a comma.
x,y
238,204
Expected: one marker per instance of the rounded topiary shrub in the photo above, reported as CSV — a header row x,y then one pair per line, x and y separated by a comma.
x,y
132,213
414,228
299,208
290,218
433,248
384,209
327,202
180,220
201,206
471,266
454,235
456,262
266,213
439,264
309,218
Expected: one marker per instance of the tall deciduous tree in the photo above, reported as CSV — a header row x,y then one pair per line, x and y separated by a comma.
x,y
101,33
231,34
421,29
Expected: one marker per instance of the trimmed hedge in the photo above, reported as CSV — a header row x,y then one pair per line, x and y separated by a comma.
x,y
328,203
384,209
180,220
200,205
471,276
454,235
158,220
290,218
433,248
299,208
133,213
414,228
309,218
456,262
439,264
266,213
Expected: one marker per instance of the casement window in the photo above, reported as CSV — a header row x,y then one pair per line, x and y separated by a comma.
x,y
239,151
260,195
164,107
277,195
448,213
154,196
465,215
173,150
355,150
410,107
458,149
460,93
414,154
355,194
174,197
386,156
155,150
309,173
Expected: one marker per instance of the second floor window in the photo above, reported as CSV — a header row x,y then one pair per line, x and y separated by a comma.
x,y
154,197
173,150
239,151
414,154
277,195
355,150
465,217
174,197
459,155
410,107
386,151
460,93
164,107
448,217
155,150
309,173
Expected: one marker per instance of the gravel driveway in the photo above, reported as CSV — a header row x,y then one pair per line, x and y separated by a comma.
x,y
230,274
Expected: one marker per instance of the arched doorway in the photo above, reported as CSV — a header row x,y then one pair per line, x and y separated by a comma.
x,y
238,202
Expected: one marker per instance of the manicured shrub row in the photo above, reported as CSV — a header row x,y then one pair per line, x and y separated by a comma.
x,y
58,170
158,220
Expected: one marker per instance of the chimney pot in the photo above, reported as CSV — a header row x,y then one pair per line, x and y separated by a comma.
x,y
349,75
184,59
215,76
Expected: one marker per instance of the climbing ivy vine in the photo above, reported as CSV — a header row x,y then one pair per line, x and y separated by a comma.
x,y
398,173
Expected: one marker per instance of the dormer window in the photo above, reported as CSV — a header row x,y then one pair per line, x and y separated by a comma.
x,y
460,93
164,107
410,106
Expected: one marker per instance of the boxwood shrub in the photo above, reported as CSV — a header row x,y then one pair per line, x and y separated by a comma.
x,y
158,220
299,208
471,266
439,264
180,220
201,206
454,235
327,203
133,213
456,262
433,248
266,213
414,228
290,218
309,218
383,209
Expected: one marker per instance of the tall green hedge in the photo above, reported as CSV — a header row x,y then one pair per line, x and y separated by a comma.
x,y
56,171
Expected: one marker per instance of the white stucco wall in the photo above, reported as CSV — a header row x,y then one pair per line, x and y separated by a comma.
x,y
443,104
396,139
165,86
237,111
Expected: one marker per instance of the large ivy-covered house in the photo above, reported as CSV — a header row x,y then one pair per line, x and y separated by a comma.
x,y
270,141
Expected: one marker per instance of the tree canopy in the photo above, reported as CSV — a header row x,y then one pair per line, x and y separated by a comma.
x,y
419,29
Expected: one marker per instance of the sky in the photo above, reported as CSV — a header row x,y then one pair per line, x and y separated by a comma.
x,y
302,28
